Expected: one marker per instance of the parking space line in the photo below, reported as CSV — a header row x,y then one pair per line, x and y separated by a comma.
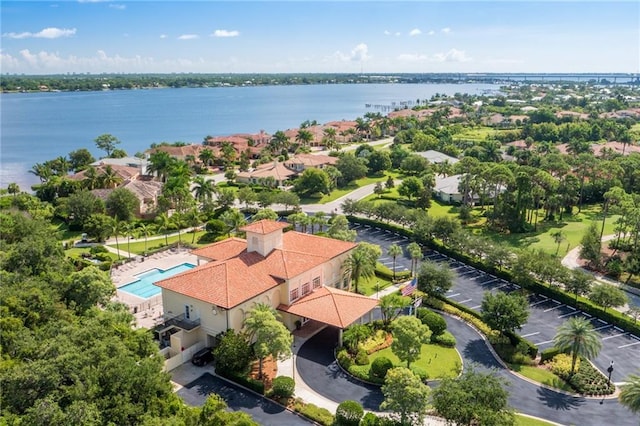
x,y
545,342
569,314
618,328
555,307
517,286
602,321
476,307
604,326
537,303
454,295
530,334
627,345
586,315
465,301
611,337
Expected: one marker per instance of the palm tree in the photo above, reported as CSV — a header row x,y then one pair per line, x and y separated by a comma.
x,y
203,189
13,189
178,221
558,238
361,265
129,231
317,219
630,393
304,137
279,141
578,336
42,171
206,156
257,319
415,252
91,179
394,251
233,219
116,229
109,178
144,230
193,220
160,164
164,225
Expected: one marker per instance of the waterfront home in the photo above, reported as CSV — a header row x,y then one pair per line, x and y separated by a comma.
x,y
270,174
300,162
303,276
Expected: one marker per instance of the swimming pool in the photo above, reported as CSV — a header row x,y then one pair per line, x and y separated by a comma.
x,y
144,286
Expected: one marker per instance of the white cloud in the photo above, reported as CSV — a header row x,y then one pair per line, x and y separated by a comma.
x,y
397,34
225,33
188,37
359,53
163,36
387,32
431,32
117,6
453,55
446,30
50,33
415,32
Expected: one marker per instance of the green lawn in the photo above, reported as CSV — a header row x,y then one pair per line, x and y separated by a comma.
x,y
573,228
475,134
528,421
341,192
370,285
439,362
541,375
138,246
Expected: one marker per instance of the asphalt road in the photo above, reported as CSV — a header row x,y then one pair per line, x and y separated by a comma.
x,y
262,410
317,367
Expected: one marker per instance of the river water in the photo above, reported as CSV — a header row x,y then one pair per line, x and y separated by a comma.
x,y
35,127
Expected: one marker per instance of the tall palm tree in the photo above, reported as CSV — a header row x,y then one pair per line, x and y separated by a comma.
x,y
415,252
578,336
630,393
144,230
164,225
129,231
115,230
278,142
91,179
394,251
160,164
177,220
360,265
304,137
192,219
42,171
203,189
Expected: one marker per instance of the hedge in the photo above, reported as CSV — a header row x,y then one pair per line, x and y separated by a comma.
x,y
248,382
387,274
315,413
548,354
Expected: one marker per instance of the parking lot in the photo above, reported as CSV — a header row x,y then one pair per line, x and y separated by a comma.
x,y
546,315
262,410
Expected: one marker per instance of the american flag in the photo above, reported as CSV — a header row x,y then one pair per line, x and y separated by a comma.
x,y
410,288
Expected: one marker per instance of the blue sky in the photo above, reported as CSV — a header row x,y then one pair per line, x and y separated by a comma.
x,y
304,36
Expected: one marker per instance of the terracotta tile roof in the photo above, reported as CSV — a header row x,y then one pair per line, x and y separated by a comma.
x,y
234,275
276,170
123,172
222,250
227,283
311,160
331,306
264,226
179,151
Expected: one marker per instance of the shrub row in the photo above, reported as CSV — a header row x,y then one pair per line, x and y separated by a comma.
x,y
242,379
525,346
433,320
548,354
313,412
586,380
387,274
445,339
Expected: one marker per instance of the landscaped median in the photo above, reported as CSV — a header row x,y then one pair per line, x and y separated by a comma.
x,y
369,350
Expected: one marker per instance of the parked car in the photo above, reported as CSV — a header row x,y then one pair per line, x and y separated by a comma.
x,y
202,357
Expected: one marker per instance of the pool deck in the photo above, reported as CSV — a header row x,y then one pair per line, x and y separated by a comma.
x,y
149,311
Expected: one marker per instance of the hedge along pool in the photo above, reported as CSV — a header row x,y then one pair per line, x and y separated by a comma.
x,y
144,286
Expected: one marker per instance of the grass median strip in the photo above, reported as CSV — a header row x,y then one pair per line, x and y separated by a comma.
x,y
542,376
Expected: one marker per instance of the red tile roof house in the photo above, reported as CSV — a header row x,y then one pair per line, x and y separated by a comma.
x,y
255,143
300,275
274,171
301,162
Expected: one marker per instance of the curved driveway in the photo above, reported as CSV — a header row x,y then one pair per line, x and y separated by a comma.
x,y
317,367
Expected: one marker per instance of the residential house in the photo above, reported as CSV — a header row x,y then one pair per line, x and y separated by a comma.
x,y
302,276
301,162
274,172
241,142
436,157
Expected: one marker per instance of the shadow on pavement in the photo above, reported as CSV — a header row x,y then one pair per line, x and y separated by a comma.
x,y
559,401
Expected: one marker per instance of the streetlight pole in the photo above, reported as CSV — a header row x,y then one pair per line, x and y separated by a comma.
x,y
610,370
